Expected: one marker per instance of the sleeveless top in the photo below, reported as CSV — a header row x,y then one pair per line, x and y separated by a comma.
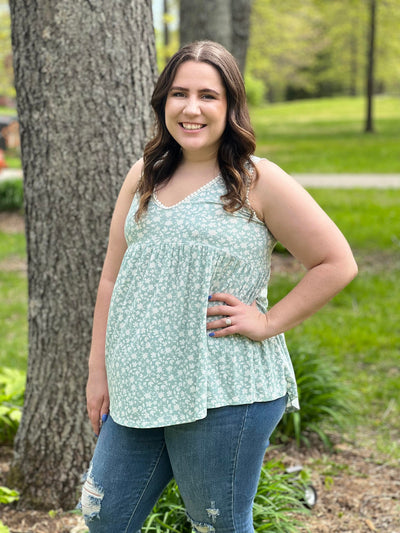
x,y
163,368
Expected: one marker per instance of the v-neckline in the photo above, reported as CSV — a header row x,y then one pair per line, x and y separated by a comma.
x,y
188,197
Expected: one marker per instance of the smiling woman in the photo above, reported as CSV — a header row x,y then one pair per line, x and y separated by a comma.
x,y
189,372
195,110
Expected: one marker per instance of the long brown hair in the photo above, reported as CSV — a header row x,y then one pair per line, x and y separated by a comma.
x,y
163,154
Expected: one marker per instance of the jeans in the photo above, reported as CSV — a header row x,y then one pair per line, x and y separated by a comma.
x,y
215,461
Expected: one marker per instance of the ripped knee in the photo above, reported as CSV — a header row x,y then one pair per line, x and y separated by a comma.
x,y
203,527
92,497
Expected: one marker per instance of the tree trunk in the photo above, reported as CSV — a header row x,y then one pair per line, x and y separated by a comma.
x,y
84,73
224,21
369,125
241,10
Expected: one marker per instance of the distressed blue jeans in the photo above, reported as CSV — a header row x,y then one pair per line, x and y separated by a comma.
x,y
215,461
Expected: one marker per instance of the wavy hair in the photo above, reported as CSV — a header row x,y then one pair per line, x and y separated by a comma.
x,y
162,154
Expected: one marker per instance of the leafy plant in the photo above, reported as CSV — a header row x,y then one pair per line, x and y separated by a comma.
x,y
279,496
3,528
12,388
8,496
168,514
325,401
11,195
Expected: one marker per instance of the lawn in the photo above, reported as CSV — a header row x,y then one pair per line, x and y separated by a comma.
x,y
359,330
326,135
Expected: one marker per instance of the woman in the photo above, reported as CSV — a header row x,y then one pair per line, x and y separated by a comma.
x,y
188,370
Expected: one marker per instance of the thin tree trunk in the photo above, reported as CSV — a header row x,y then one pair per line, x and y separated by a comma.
x,y
224,21
241,10
369,125
206,19
166,30
84,72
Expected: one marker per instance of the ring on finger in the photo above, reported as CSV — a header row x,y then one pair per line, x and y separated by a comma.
x,y
228,321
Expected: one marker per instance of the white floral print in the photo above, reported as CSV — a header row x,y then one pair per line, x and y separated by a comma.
x,y
162,366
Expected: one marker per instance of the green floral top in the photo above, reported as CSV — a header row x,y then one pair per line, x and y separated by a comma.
x,y
162,366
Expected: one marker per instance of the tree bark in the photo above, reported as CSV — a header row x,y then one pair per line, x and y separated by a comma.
x,y
224,21
84,73
241,10
369,124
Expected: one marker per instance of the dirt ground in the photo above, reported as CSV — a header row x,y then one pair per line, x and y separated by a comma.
x,y
358,492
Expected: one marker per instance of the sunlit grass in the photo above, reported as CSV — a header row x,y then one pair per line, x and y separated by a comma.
x,y
359,330
13,320
327,135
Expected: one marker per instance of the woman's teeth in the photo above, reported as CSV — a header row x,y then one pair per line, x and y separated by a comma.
x,y
188,126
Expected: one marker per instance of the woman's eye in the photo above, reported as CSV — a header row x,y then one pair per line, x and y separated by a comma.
x,y
208,97
176,93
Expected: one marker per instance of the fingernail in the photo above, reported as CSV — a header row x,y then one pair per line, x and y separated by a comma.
x,y
95,434
212,334
104,418
210,297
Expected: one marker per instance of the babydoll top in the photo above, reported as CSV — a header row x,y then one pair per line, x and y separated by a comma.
x,y
163,368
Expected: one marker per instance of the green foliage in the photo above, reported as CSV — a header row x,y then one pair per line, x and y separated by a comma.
x,y
318,48
12,388
6,69
8,496
279,496
3,528
168,514
325,401
255,90
11,195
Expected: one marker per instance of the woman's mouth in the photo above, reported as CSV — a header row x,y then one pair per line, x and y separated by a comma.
x,y
191,126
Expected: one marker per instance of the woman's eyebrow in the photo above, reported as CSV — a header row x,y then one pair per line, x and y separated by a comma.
x,y
205,90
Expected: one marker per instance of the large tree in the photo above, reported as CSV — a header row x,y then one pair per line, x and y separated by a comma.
x,y
84,72
224,21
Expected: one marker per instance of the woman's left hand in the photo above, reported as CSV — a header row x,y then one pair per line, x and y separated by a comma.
x,y
238,318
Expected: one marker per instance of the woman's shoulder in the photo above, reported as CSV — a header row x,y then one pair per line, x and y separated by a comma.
x,y
270,175
272,187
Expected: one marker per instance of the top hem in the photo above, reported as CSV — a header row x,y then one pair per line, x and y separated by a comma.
x,y
291,406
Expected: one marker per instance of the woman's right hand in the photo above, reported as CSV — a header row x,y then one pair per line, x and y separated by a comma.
x,y
97,398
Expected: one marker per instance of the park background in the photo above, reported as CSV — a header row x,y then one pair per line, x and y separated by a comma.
x,y
307,78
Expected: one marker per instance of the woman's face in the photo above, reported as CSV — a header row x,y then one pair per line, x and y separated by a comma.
x,y
196,108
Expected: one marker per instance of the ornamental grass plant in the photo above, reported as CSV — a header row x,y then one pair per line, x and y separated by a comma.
x,y
278,499
326,401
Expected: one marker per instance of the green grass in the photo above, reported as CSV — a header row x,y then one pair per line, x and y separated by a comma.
x,y
326,135
359,330
13,320
12,245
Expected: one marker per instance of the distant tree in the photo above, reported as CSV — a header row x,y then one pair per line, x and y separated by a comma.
x,y
6,70
84,73
285,39
317,48
224,21
369,126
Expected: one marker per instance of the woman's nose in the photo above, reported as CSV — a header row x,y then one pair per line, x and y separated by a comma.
x,y
192,106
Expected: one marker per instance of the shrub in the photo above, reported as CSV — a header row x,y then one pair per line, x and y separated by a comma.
x,y
255,91
279,496
324,400
12,388
11,195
